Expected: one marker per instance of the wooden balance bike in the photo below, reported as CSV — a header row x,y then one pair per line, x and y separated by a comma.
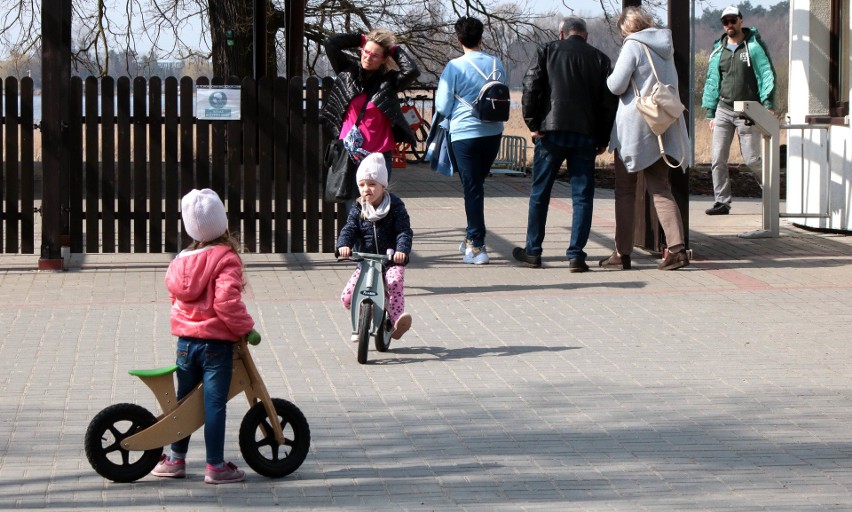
x,y
124,441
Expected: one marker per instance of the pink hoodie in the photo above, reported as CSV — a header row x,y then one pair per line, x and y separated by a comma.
x,y
205,287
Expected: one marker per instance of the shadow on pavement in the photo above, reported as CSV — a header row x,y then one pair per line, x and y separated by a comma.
x,y
447,354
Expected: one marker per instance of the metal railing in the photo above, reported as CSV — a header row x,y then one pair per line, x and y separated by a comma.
x,y
767,124
770,129
802,128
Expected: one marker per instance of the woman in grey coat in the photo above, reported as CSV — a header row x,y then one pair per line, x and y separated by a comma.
x,y
636,147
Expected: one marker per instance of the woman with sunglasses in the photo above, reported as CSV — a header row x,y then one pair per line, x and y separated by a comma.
x,y
367,89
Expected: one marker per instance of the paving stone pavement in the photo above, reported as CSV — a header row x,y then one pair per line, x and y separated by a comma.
x,y
722,386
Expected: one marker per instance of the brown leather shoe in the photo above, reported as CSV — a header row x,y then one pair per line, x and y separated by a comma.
x,y
674,261
616,262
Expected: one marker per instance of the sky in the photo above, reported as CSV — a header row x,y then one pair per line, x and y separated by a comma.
x,y
587,8
593,7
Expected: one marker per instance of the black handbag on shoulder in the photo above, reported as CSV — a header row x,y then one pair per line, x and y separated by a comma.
x,y
338,181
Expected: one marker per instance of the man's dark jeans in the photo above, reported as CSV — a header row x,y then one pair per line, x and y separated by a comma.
x,y
472,159
581,170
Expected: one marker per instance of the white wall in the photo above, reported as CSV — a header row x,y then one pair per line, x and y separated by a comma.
x,y
819,172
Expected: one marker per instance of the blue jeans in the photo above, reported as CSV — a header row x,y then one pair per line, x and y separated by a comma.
x,y
472,159
211,362
581,170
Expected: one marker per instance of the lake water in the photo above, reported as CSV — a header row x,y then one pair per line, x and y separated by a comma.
x,y
37,107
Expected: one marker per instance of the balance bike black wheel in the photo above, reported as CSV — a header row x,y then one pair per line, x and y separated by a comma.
x,y
383,334
364,331
103,441
258,445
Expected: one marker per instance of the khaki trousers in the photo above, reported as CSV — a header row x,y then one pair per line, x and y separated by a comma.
x,y
657,183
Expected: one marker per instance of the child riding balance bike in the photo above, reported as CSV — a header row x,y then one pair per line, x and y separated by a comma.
x,y
378,226
124,442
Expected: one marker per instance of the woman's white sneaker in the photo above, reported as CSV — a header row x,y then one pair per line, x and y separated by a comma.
x,y
474,255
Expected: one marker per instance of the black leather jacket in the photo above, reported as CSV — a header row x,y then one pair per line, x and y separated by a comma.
x,y
350,83
565,90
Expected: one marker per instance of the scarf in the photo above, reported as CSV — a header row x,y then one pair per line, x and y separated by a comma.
x,y
373,213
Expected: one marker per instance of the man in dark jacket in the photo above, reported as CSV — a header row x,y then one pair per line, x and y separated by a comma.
x,y
569,111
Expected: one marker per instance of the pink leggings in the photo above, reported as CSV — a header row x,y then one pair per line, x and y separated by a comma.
x,y
395,277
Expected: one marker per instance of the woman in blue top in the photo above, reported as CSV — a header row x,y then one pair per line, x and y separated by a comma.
x,y
474,144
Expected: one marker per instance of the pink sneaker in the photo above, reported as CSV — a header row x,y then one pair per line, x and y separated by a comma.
x,y
228,474
168,469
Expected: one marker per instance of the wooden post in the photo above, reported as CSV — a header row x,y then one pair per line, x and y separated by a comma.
x,y
56,77
295,35
260,34
648,233
681,24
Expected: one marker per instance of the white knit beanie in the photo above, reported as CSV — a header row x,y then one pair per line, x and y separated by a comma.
x,y
203,215
373,168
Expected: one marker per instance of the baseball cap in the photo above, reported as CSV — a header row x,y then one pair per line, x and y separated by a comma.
x,y
731,10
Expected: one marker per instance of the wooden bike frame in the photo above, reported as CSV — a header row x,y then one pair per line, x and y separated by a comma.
x,y
181,418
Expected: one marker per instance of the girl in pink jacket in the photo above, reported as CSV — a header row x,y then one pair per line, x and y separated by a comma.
x,y
208,316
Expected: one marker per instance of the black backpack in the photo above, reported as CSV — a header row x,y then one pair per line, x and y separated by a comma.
x,y
493,102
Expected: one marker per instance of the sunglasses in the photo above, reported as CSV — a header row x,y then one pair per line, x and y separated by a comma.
x,y
371,55
729,21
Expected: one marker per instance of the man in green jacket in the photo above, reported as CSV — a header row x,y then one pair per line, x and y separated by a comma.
x,y
739,70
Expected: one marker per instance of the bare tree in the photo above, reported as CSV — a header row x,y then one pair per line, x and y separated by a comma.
x,y
222,30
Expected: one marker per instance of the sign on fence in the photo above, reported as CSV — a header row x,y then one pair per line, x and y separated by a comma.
x,y
217,102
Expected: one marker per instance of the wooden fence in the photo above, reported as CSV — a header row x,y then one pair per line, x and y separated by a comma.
x,y
136,147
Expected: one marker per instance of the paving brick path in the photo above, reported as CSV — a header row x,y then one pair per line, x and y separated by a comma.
x,y
723,386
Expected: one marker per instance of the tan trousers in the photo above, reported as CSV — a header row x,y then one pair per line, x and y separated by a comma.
x,y
657,183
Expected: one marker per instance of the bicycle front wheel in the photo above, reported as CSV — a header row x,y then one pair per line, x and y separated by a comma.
x,y
364,330
261,450
417,152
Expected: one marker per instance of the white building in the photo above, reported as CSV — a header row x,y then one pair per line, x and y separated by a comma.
x,y
819,164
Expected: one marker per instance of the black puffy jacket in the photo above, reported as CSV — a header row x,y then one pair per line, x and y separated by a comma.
x,y
350,83
392,232
565,90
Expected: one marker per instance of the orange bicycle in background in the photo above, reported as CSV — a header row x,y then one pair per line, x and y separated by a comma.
x,y
414,154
